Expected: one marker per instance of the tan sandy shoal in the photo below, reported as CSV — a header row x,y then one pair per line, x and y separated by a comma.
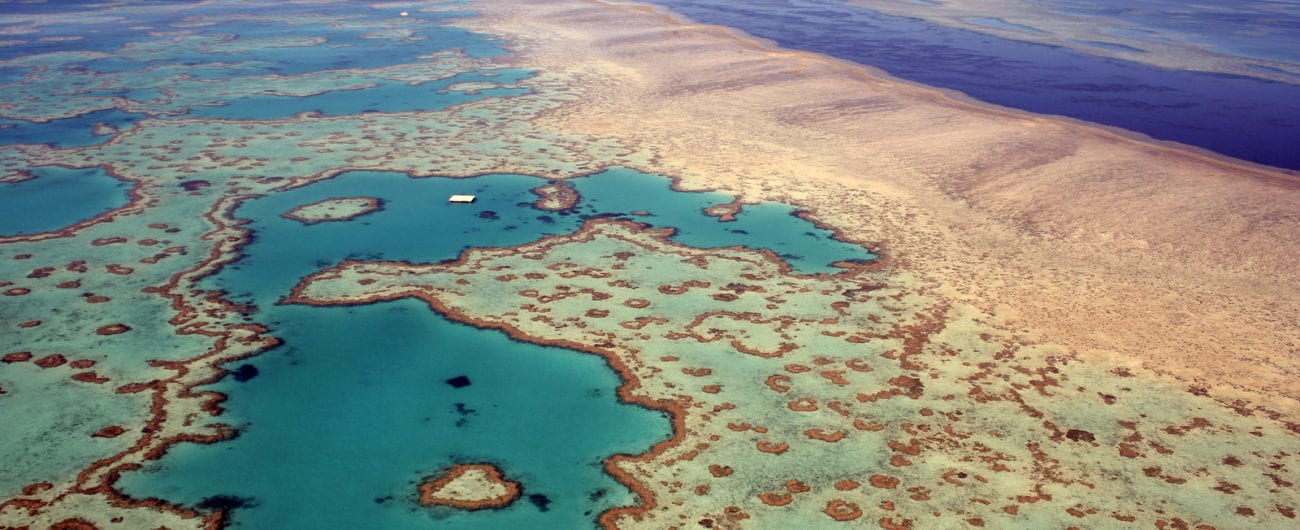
x,y
1112,247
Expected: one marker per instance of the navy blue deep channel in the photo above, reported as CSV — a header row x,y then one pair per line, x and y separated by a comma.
x,y
1244,117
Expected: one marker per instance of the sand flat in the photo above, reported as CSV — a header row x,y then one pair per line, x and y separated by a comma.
x,y
1113,247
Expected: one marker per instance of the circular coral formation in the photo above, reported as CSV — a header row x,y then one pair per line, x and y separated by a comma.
x,y
51,361
843,511
113,329
469,487
112,431
884,482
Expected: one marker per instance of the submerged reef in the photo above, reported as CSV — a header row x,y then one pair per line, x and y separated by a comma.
x,y
1065,326
334,209
842,396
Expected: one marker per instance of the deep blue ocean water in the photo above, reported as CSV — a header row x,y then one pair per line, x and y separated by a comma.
x,y
341,421
58,197
1244,117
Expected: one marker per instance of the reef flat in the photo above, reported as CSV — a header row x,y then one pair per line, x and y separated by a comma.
x,y
470,487
840,394
334,209
1064,325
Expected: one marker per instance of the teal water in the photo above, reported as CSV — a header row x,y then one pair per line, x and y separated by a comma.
x,y
344,420
391,96
773,226
76,131
340,423
58,197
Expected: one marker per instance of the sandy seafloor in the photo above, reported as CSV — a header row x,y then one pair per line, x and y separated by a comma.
x,y
709,282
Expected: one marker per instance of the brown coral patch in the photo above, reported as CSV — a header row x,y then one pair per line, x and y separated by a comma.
x,y
884,482
803,405
778,382
113,329
75,523
1079,435
824,435
51,361
842,510
108,241
16,357
112,431
720,471
888,523
434,492
776,499
868,425
90,377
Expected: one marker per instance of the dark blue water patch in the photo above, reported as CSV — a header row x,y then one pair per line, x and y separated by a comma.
x,y
11,74
58,197
390,96
77,131
1244,117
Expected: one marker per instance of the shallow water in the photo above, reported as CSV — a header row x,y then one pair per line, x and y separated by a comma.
x,y
76,131
341,421
58,197
391,96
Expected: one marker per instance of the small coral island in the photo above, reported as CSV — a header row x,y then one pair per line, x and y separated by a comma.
x,y
334,209
555,196
469,487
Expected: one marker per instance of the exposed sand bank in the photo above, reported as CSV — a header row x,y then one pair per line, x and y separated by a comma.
x,y
1111,247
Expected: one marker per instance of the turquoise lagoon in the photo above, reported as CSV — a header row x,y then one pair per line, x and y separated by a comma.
x,y
340,423
58,197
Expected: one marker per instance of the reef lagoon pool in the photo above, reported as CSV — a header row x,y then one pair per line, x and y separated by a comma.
x,y
340,423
